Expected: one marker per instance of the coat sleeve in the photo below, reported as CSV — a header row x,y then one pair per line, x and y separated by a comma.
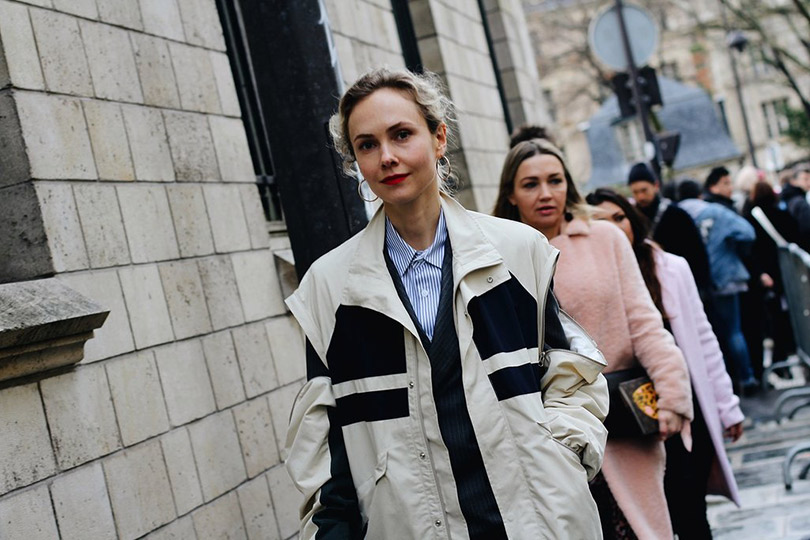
x,y
575,394
653,346
728,404
318,463
684,239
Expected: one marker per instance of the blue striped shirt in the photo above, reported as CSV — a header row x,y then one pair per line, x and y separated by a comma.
x,y
420,272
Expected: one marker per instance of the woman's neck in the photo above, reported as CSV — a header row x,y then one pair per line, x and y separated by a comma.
x,y
551,232
416,224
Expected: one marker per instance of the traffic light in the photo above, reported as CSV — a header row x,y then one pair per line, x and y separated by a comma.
x,y
647,87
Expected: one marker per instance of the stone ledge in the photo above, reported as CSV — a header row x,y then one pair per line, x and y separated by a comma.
x,y
44,325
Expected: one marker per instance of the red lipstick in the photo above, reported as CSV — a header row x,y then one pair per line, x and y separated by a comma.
x,y
394,179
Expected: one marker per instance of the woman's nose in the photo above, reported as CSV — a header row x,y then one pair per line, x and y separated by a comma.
x,y
387,157
543,191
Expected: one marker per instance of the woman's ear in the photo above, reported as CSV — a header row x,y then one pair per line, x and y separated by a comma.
x,y
441,140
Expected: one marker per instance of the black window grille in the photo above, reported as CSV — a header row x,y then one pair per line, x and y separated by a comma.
x,y
233,28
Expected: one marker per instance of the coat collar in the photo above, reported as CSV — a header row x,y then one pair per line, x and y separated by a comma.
x,y
369,283
575,227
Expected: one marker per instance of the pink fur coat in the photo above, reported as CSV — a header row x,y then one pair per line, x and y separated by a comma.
x,y
599,284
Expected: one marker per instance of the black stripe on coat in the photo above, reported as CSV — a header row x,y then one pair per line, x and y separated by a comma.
x,y
372,406
517,381
365,343
504,319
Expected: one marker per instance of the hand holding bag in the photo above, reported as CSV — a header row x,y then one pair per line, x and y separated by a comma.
x,y
633,404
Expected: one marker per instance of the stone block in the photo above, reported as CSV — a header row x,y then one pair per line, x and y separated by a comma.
x,y
186,385
140,493
233,154
28,516
257,510
221,294
254,215
56,137
228,99
146,305
162,17
255,427
138,398
115,337
82,505
148,223
82,8
184,294
192,147
223,366
80,414
62,226
120,12
281,403
148,144
182,470
43,325
108,136
227,217
190,220
217,453
18,49
24,251
102,225
112,63
155,71
182,529
61,53
287,344
26,455
195,78
286,499
14,158
258,284
255,359
220,520
201,23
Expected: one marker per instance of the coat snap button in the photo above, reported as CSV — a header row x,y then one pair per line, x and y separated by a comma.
x,y
422,455
438,523
489,279
410,384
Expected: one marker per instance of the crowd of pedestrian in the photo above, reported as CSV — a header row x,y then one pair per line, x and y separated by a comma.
x,y
564,368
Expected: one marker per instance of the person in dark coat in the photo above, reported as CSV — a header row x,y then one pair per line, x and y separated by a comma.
x,y
718,188
766,290
671,227
793,197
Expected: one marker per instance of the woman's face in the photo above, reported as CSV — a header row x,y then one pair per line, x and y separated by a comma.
x,y
613,213
539,192
394,148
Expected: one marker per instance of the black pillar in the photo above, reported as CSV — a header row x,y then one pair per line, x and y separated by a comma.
x,y
298,90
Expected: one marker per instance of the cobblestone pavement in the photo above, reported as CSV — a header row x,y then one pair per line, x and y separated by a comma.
x,y
768,510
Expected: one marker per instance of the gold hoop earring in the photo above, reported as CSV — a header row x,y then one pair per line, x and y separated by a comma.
x,y
443,167
360,192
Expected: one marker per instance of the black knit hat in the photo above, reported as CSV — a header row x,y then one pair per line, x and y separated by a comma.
x,y
640,172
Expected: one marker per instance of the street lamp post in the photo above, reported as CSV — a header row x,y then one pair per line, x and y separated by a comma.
x,y
737,41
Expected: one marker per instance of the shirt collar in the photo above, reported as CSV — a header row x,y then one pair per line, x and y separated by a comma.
x,y
434,254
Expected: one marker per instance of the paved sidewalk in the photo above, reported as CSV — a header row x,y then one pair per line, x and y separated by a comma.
x,y
768,510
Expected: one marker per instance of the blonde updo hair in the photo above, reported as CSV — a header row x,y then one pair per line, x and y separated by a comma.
x,y
427,91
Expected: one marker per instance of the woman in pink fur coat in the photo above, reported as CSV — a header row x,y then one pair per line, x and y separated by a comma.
x,y
689,475
598,282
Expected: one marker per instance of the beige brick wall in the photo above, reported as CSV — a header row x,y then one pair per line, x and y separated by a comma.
x,y
173,424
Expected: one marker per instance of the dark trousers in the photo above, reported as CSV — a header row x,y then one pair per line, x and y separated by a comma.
x,y
686,478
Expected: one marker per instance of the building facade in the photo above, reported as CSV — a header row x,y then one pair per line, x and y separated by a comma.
x,y
133,135
692,49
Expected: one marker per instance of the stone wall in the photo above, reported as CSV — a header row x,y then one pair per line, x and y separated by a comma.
x,y
126,174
